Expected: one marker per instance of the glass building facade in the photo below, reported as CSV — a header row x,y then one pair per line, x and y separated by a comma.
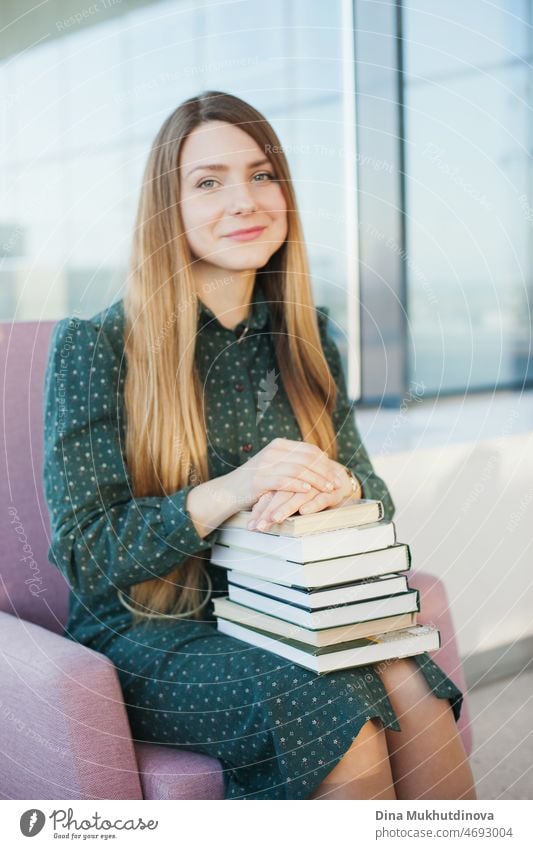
x,y
407,128
469,209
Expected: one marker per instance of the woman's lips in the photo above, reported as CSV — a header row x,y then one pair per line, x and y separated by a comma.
x,y
246,235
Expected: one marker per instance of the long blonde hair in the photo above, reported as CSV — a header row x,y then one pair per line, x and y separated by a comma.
x,y
164,451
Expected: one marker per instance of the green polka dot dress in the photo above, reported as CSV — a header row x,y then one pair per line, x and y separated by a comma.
x,y
278,729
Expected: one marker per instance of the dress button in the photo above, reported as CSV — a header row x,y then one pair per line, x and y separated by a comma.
x,y
247,447
239,387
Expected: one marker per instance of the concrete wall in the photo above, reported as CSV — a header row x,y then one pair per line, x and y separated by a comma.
x,y
466,510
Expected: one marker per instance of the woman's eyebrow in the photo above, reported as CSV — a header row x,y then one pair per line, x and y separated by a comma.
x,y
218,166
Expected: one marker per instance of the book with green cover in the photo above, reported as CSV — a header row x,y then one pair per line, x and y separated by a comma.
x,y
360,652
317,597
328,617
228,609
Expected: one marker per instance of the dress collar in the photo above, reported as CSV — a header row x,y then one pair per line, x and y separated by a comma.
x,y
257,319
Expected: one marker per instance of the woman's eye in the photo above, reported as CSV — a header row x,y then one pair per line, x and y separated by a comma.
x,y
212,180
209,180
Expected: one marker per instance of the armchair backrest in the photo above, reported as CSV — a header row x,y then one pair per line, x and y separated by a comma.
x,y
30,586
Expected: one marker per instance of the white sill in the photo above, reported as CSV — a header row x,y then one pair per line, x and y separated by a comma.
x,y
436,422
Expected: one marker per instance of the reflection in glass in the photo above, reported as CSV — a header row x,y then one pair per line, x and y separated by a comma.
x,y
468,204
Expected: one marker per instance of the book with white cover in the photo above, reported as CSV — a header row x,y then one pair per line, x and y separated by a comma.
x,y
383,646
314,573
330,617
338,543
323,637
315,598
361,512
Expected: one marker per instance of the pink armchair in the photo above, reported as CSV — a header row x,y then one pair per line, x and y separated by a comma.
x,y
64,732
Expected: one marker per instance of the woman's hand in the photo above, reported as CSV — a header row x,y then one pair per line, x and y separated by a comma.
x,y
273,507
287,466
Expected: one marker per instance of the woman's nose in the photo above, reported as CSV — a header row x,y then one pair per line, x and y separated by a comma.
x,y
241,198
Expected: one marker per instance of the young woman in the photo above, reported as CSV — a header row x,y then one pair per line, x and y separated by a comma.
x,y
213,386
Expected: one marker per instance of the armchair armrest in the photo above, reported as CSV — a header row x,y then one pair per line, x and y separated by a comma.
x,y
435,609
64,730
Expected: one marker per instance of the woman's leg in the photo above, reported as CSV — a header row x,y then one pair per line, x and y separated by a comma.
x,y
364,772
427,757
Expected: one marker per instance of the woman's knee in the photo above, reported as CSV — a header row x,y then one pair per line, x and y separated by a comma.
x,y
404,683
368,752
364,771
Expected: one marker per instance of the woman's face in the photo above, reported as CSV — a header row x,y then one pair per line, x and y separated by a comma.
x,y
239,194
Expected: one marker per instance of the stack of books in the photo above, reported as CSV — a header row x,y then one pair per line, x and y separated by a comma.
x,y
322,590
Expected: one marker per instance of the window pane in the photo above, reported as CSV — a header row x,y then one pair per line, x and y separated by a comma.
x,y
467,164
93,84
159,65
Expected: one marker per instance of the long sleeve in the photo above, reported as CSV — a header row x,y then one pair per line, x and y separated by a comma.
x,y
100,534
351,451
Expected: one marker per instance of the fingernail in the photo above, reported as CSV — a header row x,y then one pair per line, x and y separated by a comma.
x,y
278,517
329,486
261,526
338,482
251,526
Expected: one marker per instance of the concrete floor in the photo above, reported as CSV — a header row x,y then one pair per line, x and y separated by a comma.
x,y
502,717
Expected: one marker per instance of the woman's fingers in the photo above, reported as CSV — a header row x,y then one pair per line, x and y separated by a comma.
x,y
305,461
270,500
261,504
319,502
278,513
278,502
294,477
292,466
279,508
